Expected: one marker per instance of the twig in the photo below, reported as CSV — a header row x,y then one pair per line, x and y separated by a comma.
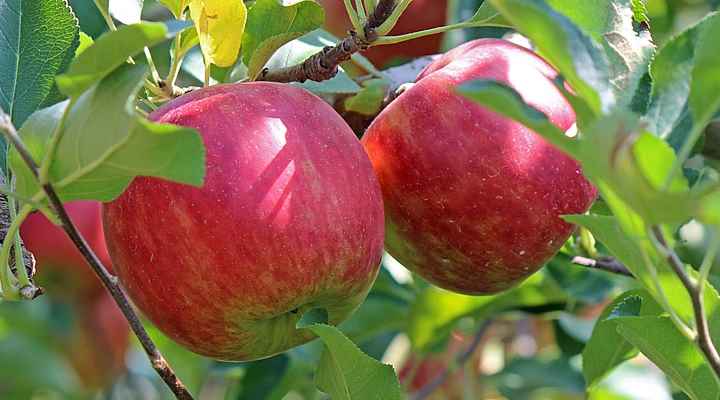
x,y
431,387
703,337
608,264
324,64
157,360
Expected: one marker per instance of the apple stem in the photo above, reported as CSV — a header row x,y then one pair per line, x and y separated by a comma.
x,y
427,390
157,360
325,64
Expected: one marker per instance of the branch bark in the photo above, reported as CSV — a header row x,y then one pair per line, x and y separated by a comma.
x,y
157,360
703,337
324,64
607,264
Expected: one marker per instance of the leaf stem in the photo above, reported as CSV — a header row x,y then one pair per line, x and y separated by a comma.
x,y
157,360
385,40
393,18
353,15
703,337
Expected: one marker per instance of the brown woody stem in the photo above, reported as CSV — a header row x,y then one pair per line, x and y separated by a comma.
x,y
324,64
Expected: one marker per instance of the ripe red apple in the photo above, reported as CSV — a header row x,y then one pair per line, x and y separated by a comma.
x,y
472,199
57,257
290,219
418,371
421,15
98,342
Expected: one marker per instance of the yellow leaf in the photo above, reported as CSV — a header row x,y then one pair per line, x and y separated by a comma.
x,y
220,25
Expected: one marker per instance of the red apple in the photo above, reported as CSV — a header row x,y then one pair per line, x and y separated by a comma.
x,y
98,342
421,15
418,371
472,199
290,219
56,255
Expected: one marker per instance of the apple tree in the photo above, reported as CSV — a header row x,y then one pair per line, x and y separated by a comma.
x,y
359,199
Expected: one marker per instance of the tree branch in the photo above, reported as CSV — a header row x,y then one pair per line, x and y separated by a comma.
x,y
703,338
431,387
607,264
157,360
324,64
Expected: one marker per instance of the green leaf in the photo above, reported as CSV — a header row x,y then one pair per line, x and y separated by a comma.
x,y
505,100
627,163
369,99
606,348
486,15
346,373
261,377
104,144
645,266
109,51
176,7
85,42
613,24
270,25
578,58
38,40
676,355
298,50
686,87
523,378
435,311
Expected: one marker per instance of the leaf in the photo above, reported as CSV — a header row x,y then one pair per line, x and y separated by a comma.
x,y
523,377
369,99
346,373
176,7
85,42
434,313
606,348
578,58
261,377
677,356
104,144
486,15
506,101
298,50
220,25
126,11
107,53
613,23
686,89
38,40
636,258
270,25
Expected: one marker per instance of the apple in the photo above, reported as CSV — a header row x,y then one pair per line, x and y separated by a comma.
x,y
57,257
421,15
289,220
418,371
472,199
98,341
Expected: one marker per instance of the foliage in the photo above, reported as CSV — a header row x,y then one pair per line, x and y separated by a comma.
x,y
643,91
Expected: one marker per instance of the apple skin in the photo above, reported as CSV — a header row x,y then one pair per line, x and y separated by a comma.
x,y
289,219
57,257
472,199
420,15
